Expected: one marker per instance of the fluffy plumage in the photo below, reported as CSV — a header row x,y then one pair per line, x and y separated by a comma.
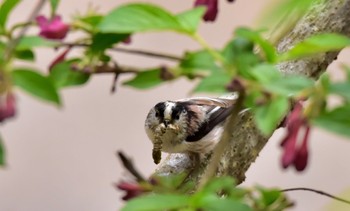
x,y
188,125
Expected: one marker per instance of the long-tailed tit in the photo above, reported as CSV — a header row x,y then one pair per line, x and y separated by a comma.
x,y
187,125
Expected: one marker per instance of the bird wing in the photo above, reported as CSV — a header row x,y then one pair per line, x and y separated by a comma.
x,y
216,115
208,101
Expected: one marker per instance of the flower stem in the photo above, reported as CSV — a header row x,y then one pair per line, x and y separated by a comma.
x,y
13,43
218,57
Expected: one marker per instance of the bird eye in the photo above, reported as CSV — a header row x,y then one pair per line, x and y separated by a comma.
x,y
177,117
157,113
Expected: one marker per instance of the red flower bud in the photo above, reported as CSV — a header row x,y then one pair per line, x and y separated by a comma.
x,y
212,8
302,154
60,58
132,190
292,153
52,29
7,106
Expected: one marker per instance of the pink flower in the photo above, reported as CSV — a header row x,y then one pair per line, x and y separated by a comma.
x,y
212,8
52,29
294,154
7,106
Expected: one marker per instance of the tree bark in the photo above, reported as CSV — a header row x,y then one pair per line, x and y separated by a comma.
x,y
247,142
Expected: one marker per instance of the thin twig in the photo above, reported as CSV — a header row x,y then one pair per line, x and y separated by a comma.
x,y
130,51
318,192
13,43
128,165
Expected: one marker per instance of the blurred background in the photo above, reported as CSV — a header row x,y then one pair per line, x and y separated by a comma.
x,y
65,158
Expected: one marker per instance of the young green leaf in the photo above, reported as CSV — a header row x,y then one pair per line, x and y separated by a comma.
x,y
5,9
30,42
254,36
268,116
190,19
289,85
265,73
2,153
54,5
157,202
223,204
336,120
342,89
101,41
36,84
215,83
62,75
27,55
269,196
320,43
198,61
145,79
131,18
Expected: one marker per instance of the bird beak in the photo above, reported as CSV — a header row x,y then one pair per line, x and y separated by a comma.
x,y
166,122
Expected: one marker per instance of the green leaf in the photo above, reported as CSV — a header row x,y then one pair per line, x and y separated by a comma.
x,y
265,73
320,43
5,9
190,19
54,5
223,204
101,42
131,18
289,85
254,36
336,120
36,84
218,184
236,47
269,196
62,75
270,114
198,61
342,89
27,55
145,79
215,83
30,42
157,202
2,153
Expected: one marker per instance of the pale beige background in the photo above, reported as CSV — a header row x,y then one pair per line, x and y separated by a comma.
x,y
64,159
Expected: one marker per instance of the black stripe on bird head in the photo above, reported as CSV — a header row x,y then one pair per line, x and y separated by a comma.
x,y
160,108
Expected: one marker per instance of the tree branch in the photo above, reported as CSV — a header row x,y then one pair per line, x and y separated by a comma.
x,y
246,141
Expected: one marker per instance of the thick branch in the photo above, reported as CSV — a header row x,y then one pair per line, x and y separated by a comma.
x,y
246,141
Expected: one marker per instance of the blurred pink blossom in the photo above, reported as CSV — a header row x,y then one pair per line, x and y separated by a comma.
x,y
212,8
52,29
7,106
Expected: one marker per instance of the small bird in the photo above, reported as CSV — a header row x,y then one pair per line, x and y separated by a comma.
x,y
188,125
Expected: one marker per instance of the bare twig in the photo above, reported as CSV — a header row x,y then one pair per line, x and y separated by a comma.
x,y
318,192
130,51
128,165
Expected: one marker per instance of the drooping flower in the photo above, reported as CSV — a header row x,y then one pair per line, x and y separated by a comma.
x,y
7,106
52,29
212,9
294,154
